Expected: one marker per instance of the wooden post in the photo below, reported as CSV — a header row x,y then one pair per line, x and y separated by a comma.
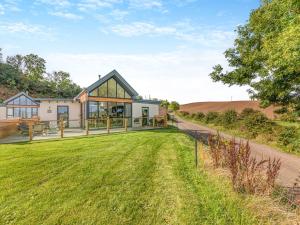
x,y
165,120
153,121
30,127
196,152
87,127
108,125
61,122
126,124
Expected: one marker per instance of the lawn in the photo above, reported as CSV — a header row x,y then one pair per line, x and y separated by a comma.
x,y
135,178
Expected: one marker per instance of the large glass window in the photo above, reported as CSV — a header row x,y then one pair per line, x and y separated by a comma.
x,y
127,110
120,91
93,109
112,88
127,95
111,109
22,112
103,90
22,100
94,92
102,108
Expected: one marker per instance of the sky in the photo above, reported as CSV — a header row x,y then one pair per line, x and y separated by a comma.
x,y
164,48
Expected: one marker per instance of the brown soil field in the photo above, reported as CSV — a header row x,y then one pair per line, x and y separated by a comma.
x,y
238,106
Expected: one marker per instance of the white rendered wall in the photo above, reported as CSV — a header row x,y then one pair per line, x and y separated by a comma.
x,y
48,111
2,112
137,112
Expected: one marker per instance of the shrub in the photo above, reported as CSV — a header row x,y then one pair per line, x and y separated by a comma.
x,y
257,123
289,117
212,117
247,173
200,116
184,114
246,112
229,118
288,137
193,116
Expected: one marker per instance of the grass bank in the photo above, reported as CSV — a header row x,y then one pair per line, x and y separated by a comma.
x,y
267,139
135,178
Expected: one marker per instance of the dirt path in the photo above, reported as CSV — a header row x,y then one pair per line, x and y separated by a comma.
x,y
290,167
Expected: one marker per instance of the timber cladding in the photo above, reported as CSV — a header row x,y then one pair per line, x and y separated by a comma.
x,y
99,99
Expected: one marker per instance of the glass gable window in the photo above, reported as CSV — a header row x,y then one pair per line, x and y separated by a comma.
x,y
22,107
110,89
94,92
103,90
120,91
21,100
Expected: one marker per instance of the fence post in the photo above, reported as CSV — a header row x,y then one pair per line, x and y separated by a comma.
x,y
166,121
126,124
153,121
196,152
61,122
30,126
87,127
108,124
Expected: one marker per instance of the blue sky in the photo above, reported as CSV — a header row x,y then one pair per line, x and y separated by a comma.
x,y
164,48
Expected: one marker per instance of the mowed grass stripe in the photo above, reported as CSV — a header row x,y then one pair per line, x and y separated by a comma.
x,y
135,178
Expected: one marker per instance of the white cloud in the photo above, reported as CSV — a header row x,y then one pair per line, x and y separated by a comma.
x,y
206,36
2,10
146,4
180,75
56,3
20,27
86,5
119,14
66,15
141,28
26,29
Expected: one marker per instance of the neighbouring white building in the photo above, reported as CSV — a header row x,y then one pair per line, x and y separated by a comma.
x,y
110,96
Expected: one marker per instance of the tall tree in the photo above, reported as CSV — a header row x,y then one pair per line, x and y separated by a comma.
x,y
62,84
174,106
266,54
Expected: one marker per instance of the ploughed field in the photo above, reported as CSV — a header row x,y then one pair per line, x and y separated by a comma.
x,y
145,177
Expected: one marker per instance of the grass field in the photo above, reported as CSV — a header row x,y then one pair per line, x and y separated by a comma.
x,y
135,178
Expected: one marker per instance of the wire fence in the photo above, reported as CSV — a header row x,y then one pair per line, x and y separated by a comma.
x,y
286,194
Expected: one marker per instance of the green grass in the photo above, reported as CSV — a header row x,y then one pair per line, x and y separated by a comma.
x,y
135,178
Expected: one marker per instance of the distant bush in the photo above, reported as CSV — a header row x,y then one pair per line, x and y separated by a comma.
x,y
184,114
246,112
200,116
193,116
212,117
229,118
256,123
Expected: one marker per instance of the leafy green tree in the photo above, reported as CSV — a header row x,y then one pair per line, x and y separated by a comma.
x,y
9,75
62,84
165,103
174,106
266,54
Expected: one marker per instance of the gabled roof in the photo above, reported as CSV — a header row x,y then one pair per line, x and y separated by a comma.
x,y
118,78
18,95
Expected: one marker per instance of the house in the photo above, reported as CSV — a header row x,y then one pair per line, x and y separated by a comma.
x,y
109,97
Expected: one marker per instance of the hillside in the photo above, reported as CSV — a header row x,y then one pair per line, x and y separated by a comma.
x,y
223,106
